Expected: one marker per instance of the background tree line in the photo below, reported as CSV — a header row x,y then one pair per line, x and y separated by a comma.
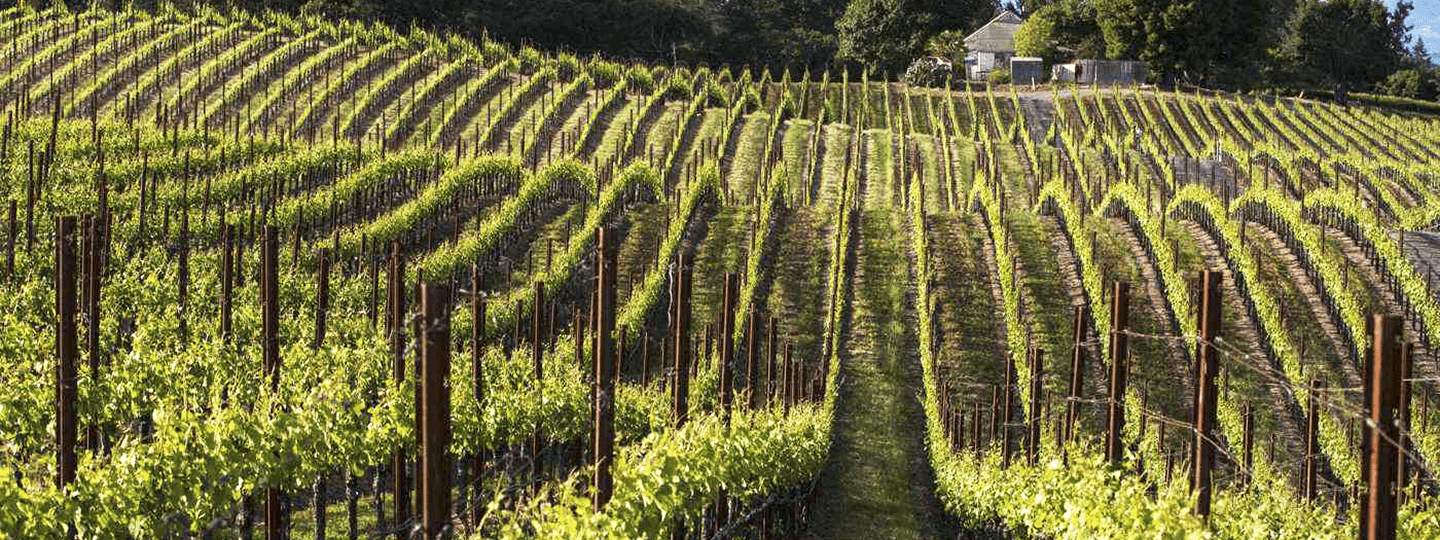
x,y
1348,45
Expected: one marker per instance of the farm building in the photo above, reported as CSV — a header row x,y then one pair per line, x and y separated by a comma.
x,y
1102,72
992,46
1025,70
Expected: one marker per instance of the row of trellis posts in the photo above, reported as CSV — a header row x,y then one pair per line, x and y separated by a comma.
x,y
432,337
1385,447
1386,389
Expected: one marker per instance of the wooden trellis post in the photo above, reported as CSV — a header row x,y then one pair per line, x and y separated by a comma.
x,y
537,351
67,349
682,339
435,428
1037,375
270,346
1077,370
1119,353
396,328
1381,477
604,442
1208,368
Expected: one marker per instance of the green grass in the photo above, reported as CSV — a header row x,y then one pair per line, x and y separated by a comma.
x,y
532,260
302,520
722,250
878,183
1151,370
967,309
795,141
740,179
802,251
873,487
1047,300
832,165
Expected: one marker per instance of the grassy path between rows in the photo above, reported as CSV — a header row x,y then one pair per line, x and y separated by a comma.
x,y
878,484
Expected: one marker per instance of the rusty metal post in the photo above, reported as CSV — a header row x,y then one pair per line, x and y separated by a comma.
x,y
1077,370
682,338
435,429
537,352
270,346
604,366
1208,367
67,348
477,368
1381,477
1119,352
395,325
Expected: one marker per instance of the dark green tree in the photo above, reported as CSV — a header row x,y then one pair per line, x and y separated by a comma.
x,y
647,29
778,33
1060,31
1204,40
886,35
1349,44
1406,83
1428,87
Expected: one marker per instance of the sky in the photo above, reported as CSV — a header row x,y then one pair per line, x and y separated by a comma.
x,y
1426,22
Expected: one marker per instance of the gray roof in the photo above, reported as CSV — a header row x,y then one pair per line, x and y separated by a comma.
x,y
998,35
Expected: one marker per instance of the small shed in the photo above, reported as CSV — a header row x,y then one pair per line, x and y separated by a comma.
x,y
1027,70
993,45
1109,72
1062,72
